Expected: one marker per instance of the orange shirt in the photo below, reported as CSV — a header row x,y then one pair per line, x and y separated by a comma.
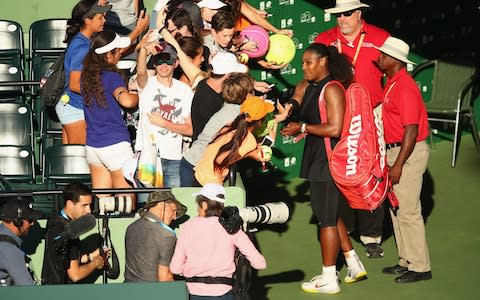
x,y
204,170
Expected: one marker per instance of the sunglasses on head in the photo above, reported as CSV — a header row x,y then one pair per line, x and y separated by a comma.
x,y
164,58
345,13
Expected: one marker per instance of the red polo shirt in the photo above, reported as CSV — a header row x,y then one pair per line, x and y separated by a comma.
x,y
403,105
366,71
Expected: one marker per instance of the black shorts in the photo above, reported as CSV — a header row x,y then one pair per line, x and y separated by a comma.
x,y
325,198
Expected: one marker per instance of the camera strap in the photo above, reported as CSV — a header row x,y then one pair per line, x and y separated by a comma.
x,y
112,271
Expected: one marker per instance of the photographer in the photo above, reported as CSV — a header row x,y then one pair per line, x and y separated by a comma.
x,y
205,251
149,262
63,261
17,218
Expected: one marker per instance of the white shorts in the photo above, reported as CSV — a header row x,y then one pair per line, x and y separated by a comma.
x,y
112,157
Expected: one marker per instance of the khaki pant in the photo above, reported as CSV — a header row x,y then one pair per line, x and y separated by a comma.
x,y
408,224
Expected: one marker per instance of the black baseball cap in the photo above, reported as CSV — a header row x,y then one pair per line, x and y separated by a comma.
x,y
15,207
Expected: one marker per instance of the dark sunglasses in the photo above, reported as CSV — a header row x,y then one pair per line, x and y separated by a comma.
x,y
345,13
164,58
165,61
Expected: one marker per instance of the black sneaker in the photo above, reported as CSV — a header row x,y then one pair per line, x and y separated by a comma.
x,y
374,250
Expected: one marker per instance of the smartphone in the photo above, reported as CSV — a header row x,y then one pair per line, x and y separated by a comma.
x,y
268,141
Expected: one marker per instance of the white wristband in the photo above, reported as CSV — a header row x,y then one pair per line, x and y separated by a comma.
x,y
303,127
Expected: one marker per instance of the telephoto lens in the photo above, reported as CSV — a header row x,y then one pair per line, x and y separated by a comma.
x,y
268,213
118,205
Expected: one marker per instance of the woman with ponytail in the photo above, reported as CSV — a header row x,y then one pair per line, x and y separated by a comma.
x,y
234,142
88,18
105,93
327,73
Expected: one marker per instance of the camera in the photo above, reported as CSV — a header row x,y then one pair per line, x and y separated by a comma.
x,y
268,213
113,205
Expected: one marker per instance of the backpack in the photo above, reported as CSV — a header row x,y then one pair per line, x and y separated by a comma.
x,y
52,86
358,161
242,278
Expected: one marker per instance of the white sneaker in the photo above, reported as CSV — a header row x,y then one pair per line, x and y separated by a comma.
x,y
319,285
356,272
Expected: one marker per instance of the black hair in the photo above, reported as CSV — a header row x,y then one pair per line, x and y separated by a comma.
x,y
233,7
76,22
181,17
222,20
339,65
74,190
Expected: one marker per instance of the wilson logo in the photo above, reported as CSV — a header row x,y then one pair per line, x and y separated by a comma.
x,y
381,140
352,144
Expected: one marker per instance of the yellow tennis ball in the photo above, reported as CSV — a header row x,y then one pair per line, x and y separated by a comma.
x,y
243,58
282,49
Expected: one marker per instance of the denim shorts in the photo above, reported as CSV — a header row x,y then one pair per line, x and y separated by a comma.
x,y
112,157
68,113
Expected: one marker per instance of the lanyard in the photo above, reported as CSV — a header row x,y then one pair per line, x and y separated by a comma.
x,y
163,225
388,91
357,50
64,215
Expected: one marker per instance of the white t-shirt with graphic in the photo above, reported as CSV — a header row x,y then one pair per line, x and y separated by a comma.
x,y
174,104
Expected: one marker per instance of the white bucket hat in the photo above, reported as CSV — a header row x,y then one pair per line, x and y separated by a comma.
x,y
396,48
345,5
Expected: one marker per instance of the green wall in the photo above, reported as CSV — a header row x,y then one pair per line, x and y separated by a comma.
x,y
305,18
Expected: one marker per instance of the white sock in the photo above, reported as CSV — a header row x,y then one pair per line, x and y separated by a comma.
x,y
329,273
351,258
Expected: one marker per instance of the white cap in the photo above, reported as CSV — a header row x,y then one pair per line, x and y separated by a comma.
x,y
212,4
226,62
212,191
118,42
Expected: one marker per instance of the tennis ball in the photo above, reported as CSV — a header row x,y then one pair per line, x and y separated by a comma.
x,y
282,49
243,58
259,36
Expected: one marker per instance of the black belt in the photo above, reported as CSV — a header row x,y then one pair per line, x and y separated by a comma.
x,y
210,280
393,145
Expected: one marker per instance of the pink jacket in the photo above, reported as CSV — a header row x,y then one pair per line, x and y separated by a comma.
x,y
204,248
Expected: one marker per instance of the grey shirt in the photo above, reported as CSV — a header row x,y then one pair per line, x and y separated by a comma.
x,y
148,244
12,260
224,116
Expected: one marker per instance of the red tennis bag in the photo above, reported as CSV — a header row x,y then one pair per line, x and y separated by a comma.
x,y
358,162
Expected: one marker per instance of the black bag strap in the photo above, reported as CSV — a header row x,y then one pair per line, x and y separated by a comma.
x,y
210,280
9,239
